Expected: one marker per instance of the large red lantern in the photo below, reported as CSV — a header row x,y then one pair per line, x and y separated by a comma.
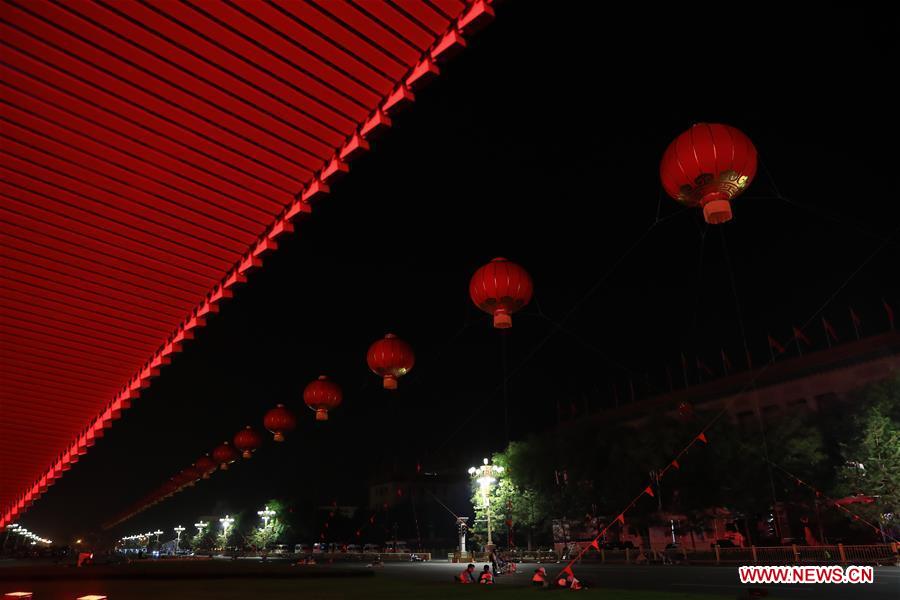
x,y
224,455
501,288
708,166
205,465
247,440
279,421
390,357
322,395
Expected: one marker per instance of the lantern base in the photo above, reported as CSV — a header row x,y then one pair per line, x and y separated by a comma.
x,y
502,320
390,382
279,437
224,466
716,212
321,415
247,454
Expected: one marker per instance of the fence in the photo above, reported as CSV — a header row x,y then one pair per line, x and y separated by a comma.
x,y
874,554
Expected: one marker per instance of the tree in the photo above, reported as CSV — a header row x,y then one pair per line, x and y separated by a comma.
x,y
871,454
264,536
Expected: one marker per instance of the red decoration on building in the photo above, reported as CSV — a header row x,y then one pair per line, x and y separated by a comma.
x,y
247,440
708,166
224,455
205,465
501,288
322,395
279,421
390,357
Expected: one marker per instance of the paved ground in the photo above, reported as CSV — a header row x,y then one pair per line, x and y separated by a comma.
x,y
226,580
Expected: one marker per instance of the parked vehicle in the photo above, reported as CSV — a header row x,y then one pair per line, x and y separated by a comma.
x,y
302,549
371,548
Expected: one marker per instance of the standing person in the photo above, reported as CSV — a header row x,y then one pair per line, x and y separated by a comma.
x,y
539,579
486,575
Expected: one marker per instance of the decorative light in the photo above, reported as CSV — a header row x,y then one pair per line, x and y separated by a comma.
x,y
266,514
200,525
485,478
226,522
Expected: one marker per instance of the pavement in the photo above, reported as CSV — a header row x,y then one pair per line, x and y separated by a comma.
x,y
721,580
220,579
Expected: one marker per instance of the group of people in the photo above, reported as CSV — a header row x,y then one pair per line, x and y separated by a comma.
x,y
539,579
468,575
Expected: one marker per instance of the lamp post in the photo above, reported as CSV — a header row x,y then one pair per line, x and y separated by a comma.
x,y
157,533
226,522
200,525
484,475
266,514
178,531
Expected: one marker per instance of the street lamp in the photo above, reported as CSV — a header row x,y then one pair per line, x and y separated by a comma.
x,y
178,531
266,515
485,478
226,522
200,527
157,533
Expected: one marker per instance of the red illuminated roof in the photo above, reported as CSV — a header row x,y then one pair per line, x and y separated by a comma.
x,y
152,154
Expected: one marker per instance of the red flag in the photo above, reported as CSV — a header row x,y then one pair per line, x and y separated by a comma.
x,y
649,491
621,518
595,545
702,437
799,335
568,570
830,333
701,366
890,313
856,322
726,364
675,464
774,345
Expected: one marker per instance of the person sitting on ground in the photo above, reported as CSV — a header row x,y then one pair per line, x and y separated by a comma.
x,y
569,581
467,576
486,575
539,579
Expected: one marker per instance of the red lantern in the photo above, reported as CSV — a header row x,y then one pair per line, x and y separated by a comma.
x,y
708,166
247,440
205,465
322,395
187,476
224,455
501,288
279,421
390,357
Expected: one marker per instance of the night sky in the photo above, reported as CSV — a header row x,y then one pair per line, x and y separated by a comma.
x,y
541,143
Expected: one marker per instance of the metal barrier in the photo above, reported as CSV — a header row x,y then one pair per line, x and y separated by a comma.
x,y
877,554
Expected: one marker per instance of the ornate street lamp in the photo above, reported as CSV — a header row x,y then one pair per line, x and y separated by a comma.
x,y
484,475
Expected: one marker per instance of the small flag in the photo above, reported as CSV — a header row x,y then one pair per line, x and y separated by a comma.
x,y
726,364
799,335
701,366
675,464
856,322
774,345
621,517
702,437
649,492
890,313
595,545
830,333
568,570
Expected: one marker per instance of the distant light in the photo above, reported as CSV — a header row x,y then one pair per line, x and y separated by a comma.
x,y
78,541
485,461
